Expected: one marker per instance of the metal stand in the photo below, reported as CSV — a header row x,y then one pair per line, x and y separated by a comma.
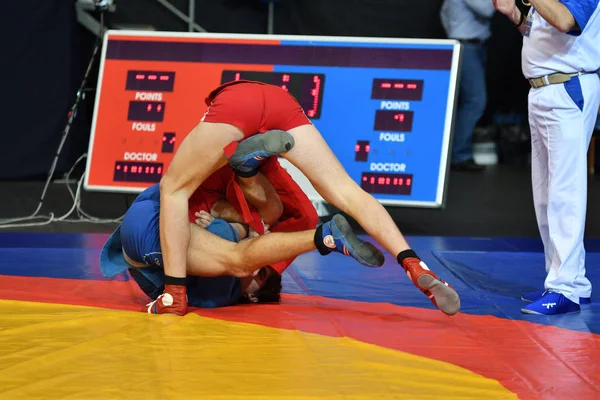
x,y
271,18
83,8
72,114
189,19
191,15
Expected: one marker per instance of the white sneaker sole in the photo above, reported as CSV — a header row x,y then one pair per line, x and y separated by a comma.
x,y
530,312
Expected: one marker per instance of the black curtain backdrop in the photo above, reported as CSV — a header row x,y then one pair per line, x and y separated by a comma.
x,y
45,53
376,18
38,69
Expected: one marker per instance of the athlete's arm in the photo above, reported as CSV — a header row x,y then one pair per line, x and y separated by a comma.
x,y
300,213
223,209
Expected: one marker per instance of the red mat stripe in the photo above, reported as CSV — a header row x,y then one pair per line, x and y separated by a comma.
x,y
531,360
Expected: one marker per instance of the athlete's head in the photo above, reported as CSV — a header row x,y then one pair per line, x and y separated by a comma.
x,y
264,286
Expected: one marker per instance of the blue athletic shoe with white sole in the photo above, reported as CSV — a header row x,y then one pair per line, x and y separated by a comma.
x,y
337,235
246,159
533,296
552,303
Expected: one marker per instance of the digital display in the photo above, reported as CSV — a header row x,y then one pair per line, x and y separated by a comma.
x,y
383,106
127,171
395,121
306,88
386,183
362,150
150,80
392,89
168,143
152,111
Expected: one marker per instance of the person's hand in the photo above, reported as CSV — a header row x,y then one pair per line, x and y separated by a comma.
x,y
506,7
252,233
203,219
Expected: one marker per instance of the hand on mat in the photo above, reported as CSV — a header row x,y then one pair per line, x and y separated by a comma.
x,y
203,219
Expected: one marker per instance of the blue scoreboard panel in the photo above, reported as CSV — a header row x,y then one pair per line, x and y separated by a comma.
x,y
384,106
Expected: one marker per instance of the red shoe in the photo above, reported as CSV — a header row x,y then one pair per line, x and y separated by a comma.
x,y
172,301
442,295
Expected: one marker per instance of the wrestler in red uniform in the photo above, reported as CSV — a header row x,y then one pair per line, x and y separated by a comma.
x,y
241,110
298,212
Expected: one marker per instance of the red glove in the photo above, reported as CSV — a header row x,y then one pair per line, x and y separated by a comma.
x,y
172,301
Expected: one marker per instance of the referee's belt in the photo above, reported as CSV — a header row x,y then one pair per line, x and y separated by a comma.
x,y
555,78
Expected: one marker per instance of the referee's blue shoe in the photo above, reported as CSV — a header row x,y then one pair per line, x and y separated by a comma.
x,y
551,303
248,154
337,235
534,296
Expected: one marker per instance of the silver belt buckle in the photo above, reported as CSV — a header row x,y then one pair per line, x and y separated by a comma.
x,y
546,81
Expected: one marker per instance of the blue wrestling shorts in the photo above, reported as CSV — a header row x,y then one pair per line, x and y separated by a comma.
x,y
139,236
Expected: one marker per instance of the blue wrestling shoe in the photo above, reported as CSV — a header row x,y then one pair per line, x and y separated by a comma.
x,y
552,303
337,235
534,296
246,159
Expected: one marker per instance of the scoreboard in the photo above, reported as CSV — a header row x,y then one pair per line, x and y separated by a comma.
x,y
384,106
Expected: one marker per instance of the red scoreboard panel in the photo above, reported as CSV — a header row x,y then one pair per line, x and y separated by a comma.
x,y
144,108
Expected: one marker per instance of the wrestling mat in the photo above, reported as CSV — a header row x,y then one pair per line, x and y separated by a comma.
x,y
342,331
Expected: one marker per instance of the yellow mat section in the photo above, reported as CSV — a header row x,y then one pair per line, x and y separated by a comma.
x,y
51,351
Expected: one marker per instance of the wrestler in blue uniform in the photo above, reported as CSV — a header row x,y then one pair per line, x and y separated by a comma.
x,y
138,236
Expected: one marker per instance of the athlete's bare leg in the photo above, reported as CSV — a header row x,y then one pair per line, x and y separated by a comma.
x,y
196,159
332,182
210,255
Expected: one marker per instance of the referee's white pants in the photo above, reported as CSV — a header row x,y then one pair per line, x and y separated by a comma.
x,y
562,118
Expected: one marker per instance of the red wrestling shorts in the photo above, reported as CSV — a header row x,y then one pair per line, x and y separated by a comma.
x,y
298,212
254,107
